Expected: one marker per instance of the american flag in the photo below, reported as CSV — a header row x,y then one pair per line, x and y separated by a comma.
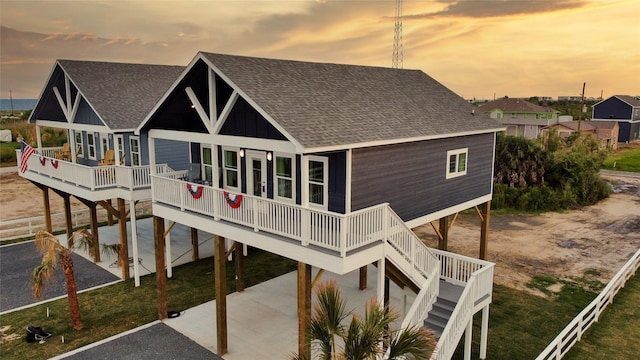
x,y
27,151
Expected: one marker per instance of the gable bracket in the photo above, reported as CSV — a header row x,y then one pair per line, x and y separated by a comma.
x,y
225,112
199,109
63,106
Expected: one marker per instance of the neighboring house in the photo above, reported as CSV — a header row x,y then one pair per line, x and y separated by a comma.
x,y
99,105
330,165
521,117
625,110
605,131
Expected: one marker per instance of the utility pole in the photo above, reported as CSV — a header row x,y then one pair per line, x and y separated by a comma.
x,y
581,105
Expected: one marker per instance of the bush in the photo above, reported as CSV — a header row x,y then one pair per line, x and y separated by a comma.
x,y
532,178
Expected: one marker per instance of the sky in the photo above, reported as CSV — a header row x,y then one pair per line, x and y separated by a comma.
x,y
478,48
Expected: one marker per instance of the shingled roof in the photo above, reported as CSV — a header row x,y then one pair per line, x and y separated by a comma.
x,y
322,104
122,94
515,105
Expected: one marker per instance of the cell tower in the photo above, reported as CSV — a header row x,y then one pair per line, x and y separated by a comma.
x,y
396,58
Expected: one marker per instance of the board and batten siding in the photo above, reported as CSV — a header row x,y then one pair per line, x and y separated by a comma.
x,y
171,152
411,177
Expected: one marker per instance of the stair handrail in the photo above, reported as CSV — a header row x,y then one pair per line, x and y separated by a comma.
x,y
413,250
424,301
460,317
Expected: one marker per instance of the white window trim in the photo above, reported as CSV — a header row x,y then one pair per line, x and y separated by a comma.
x,y
293,177
203,166
79,144
117,140
457,152
224,169
131,152
325,180
90,146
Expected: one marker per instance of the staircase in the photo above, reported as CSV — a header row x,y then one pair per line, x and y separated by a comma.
x,y
446,301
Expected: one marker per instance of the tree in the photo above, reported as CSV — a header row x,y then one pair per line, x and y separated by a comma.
x,y
365,337
53,252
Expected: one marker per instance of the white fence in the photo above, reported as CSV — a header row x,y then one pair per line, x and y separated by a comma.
x,y
19,228
572,333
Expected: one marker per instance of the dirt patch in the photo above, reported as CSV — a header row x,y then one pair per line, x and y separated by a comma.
x,y
19,199
600,238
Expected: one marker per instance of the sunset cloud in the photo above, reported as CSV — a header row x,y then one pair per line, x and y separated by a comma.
x,y
475,47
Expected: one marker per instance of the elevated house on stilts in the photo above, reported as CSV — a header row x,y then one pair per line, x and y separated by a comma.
x,y
102,163
332,166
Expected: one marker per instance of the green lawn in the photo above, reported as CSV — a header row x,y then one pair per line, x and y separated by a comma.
x,y
626,159
616,335
520,326
116,308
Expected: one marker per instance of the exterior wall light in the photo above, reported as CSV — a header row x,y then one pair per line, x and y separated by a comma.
x,y
242,153
269,156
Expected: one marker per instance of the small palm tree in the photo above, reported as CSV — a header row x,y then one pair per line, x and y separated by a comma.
x,y
365,337
53,252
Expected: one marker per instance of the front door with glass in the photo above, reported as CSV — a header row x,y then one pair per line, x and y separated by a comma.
x,y
257,173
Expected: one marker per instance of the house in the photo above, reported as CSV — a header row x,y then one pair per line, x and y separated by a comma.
x,y
521,117
330,165
625,110
605,131
99,105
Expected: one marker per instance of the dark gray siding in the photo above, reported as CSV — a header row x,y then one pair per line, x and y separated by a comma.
x,y
612,108
170,152
86,115
411,177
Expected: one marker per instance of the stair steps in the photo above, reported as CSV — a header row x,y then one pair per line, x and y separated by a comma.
x,y
443,307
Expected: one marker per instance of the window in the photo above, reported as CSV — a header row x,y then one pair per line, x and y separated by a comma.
x,y
135,150
318,175
231,169
456,162
514,115
79,145
284,177
104,139
207,164
91,145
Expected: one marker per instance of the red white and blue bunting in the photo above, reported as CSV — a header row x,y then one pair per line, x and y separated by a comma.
x,y
195,190
233,200
43,162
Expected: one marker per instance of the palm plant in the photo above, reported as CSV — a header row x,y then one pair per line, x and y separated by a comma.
x,y
53,252
365,337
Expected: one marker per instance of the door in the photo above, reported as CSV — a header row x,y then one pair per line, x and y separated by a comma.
x,y
257,173
120,149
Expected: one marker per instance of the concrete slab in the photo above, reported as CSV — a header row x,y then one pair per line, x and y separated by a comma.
x,y
263,319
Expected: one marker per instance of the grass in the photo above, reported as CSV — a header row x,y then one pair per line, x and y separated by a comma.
x,y
8,153
624,159
521,325
615,335
116,308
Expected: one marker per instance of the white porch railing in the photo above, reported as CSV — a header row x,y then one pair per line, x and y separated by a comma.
x,y
333,231
478,276
573,332
50,151
92,177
